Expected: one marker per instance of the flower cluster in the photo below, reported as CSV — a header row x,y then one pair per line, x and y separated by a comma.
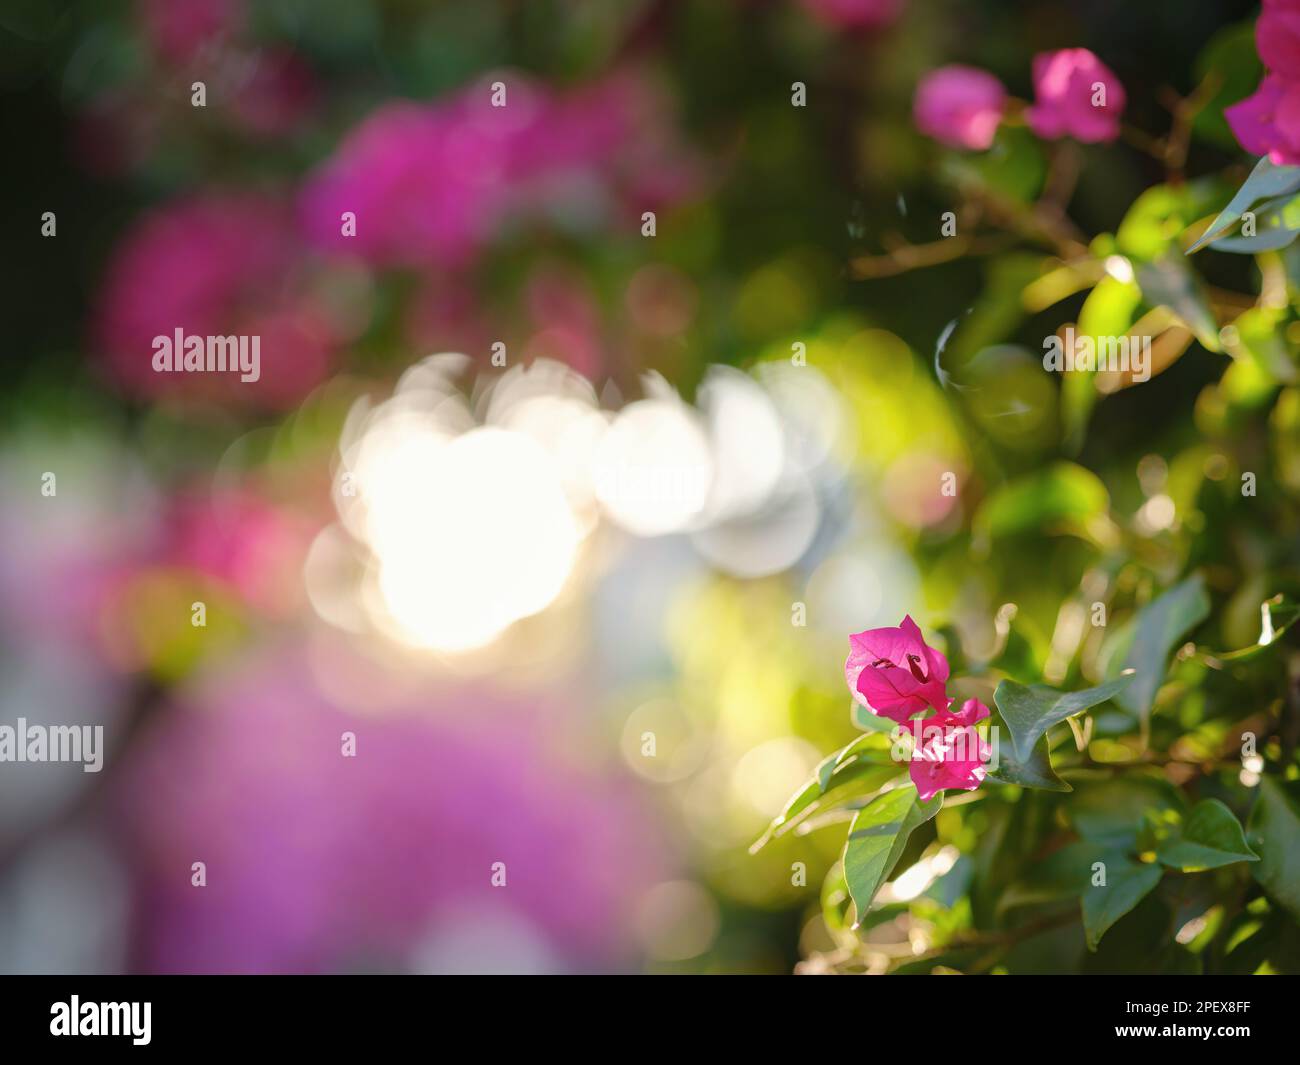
x,y
1075,95
894,673
215,264
435,181
1268,122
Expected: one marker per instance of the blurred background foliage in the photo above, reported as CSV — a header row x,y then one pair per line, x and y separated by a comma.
x,y
779,229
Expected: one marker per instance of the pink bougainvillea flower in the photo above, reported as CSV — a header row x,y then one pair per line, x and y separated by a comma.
x,y
894,673
1075,95
854,14
1268,122
959,106
1277,38
949,752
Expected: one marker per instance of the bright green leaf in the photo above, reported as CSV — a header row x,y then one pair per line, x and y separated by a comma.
x,y
1110,309
1063,493
835,899
854,778
877,837
1155,223
873,747
1261,333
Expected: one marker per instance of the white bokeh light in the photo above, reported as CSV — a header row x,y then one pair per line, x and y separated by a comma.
x,y
470,535
468,498
653,468
747,440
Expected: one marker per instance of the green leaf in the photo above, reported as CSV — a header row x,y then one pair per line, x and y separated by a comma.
x,y
835,900
1275,834
1110,309
1063,493
1273,942
1032,772
824,770
1276,616
1269,238
1277,223
1066,873
1078,398
1261,333
996,313
1013,168
824,791
873,747
877,837
1020,657
1029,712
1128,882
1152,223
1168,282
1142,943
1155,223
1159,627
1209,837
1114,813
868,721
1265,182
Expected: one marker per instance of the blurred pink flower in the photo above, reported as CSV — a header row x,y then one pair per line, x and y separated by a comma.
x,y
1268,121
1277,38
855,14
180,29
1066,83
431,184
893,672
949,753
316,862
423,182
617,133
216,265
959,106
242,540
